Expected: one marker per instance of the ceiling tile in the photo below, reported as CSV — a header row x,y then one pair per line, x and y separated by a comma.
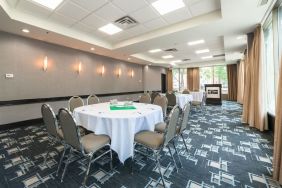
x,y
145,14
33,9
110,12
82,27
72,10
204,7
61,19
155,24
94,21
90,5
130,5
178,15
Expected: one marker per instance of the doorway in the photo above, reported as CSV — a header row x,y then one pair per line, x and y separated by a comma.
x,y
163,80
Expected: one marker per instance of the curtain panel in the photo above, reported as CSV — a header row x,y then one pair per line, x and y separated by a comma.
x,y
241,82
277,156
193,79
232,82
254,112
169,80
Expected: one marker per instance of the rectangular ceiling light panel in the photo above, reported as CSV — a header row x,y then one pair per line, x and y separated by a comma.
x,y
202,51
51,4
110,29
166,6
192,43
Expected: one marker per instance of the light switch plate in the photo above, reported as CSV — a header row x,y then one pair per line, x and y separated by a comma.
x,y
9,76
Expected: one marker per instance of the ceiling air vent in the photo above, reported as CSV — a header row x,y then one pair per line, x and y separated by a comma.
x,y
126,22
219,55
171,50
186,59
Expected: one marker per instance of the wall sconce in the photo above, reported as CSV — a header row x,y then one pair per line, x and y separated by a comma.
x,y
132,73
102,70
79,68
45,63
119,72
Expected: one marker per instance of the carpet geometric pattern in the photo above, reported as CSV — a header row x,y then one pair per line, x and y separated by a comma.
x,y
222,153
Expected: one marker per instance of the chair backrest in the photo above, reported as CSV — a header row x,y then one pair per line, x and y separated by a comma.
x,y
162,102
50,120
171,128
70,129
92,99
75,102
204,99
145,98
153,95
185,91
171,98
185,116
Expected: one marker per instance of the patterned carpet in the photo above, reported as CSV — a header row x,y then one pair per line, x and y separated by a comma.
x,y
222,153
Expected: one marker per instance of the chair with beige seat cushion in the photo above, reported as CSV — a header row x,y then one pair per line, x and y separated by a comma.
x,y
162,102
157,142
185,91
55,133
86,146
75,102
153,96
92,99
184,124
171,98
145,98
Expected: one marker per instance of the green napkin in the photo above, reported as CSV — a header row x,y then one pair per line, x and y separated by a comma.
x,y
122,107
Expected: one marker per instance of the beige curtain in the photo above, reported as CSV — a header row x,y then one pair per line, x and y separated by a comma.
x,y
232,82
241,83
253,104
277,156
193,79
169,80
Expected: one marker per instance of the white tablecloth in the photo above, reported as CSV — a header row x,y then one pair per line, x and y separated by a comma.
x,y
119,125
197,95
182,99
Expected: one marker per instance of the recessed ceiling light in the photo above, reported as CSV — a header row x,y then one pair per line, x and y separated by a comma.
x,y
196,42
176,61
155,50
25,30
51,4
167,56
92,49
207,57
110,29
202,51
166,6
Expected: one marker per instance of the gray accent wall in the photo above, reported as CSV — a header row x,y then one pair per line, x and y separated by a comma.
x,y
24,57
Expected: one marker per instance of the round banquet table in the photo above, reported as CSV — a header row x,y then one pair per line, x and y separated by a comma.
x,y
182,99
119,125
197,95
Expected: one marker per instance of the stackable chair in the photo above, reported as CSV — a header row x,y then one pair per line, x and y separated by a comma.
x,y
153,95
171,98
92,99
75,102
145,98
185,91
200,104
86,146
157,142
55,134
162,102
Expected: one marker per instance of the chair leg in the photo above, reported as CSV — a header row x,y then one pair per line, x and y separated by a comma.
x,y
184,143
177,154
88,169
61,160
172,158
47,154
111,155
66,165
159,168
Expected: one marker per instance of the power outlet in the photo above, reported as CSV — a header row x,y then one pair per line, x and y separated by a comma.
x,y
9,76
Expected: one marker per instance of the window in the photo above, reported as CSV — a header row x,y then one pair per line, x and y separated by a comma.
x,y
214,75
179,79
269,67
